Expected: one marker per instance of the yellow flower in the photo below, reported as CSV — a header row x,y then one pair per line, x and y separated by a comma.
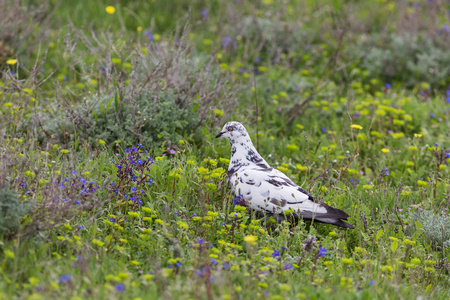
x,y
11,61
101,142
292,147
328,263
417,135
301,168
422,183
218,112
110,10
355,126
385,150
347,261
139,28
250,239
9,253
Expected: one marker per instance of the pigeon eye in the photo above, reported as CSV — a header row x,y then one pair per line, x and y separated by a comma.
x,y
230,128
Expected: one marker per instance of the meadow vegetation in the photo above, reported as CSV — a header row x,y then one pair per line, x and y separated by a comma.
x,y
112,185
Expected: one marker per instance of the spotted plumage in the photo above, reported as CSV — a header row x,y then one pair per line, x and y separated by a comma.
x,y
268,190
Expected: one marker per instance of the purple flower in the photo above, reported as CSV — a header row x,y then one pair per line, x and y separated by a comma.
x,y
214,261
388,86
200,241
386,172
276,253
432,115
178,264
204,13
226,41
446,28
288,267
356,115
371,282
120,287
65,278
447,99
151,38
112,220
149,181
80,226
323,251
324,130
199,273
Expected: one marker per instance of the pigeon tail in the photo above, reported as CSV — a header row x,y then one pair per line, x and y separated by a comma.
x,y
336,222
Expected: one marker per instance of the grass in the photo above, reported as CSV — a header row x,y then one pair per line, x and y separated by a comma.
x,y
114,216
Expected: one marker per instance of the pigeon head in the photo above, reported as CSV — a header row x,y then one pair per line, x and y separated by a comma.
x,y
234,132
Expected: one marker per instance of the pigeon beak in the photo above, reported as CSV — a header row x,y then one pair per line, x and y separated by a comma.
x,y
219,135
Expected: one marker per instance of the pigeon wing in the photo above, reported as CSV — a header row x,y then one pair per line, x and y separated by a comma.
x,y
272,191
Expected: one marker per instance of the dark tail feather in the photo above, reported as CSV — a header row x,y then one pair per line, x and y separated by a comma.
x,y
335,222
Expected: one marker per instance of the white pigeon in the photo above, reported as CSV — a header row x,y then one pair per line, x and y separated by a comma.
x,y
269,190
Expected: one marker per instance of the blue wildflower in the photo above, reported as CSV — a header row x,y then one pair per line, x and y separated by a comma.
x,y
323,251
226,41
80,226
324,130
112,220
276,253
65,278
204,13
288,267
120,287
214,261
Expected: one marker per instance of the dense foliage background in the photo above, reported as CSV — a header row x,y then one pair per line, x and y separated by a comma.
x,y
112,184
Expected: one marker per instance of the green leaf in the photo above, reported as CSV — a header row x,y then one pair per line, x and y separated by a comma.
x,y
336,4
394,246
195,107
109,104
379,234
95,115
